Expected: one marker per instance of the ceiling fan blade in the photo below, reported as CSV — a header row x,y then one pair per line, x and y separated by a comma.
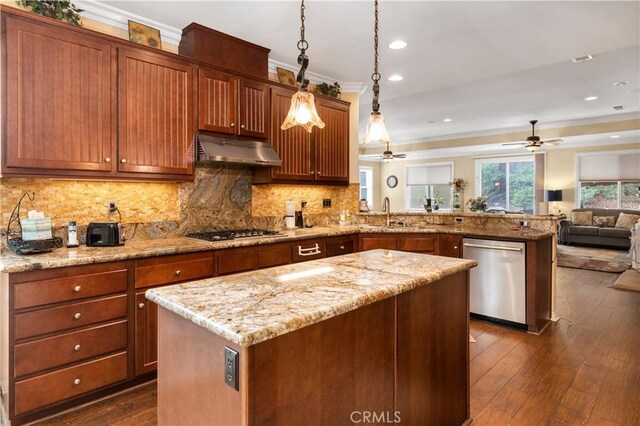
x,y
552,142
399,155
514,143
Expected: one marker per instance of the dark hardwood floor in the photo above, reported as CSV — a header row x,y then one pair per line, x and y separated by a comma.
x,y
584,369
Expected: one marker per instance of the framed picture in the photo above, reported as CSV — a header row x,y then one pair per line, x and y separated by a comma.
x,y
286,77
143,34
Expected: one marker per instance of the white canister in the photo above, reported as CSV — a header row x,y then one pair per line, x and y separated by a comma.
x,y
290,208
289,222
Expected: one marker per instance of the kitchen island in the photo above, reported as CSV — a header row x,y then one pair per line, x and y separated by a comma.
x,y
379,335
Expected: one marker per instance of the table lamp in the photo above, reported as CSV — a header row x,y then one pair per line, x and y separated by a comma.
x,y
553,196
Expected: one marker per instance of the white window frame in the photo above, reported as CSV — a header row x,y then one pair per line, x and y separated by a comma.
x,y
505,159
370,187
406,186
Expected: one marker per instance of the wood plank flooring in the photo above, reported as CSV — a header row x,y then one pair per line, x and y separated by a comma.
x,y
584,369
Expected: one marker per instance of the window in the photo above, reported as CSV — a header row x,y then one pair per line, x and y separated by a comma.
x,y
428,181
610,195
366,184
507,183
609,180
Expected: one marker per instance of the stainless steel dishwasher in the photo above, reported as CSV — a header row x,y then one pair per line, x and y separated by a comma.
x,y
498,283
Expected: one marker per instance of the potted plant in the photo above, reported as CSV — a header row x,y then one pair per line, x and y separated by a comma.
x,y
478,204
330,90
437,200
426,202
457,190
62,10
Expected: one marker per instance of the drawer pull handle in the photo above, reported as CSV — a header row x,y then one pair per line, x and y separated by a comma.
x,y
178,273
77,288
309,251
76,348
77,315
141,306
76,382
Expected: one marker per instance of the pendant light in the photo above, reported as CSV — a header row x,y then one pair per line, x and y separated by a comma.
x,y
376,129
303,107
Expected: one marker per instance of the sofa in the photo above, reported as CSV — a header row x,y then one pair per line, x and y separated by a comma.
x,y
606,236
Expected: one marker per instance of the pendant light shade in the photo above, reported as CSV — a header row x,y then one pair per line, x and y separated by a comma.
x,y
302,111
376,130
376,127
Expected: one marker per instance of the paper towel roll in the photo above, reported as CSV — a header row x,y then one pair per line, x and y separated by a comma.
x,y
290,208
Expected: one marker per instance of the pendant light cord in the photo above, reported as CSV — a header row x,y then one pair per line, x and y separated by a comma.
x,y
303,59
376,75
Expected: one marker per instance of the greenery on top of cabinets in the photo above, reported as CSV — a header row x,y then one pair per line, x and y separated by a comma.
x,y
62,10
334,90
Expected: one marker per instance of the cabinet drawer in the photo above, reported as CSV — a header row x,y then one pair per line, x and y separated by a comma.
x,y
52,352
274,255
418,244
236,260
61,318
48,388
36,293
309,250
173,269
336,248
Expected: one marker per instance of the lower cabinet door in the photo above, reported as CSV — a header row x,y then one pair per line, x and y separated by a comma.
x,y
374,242
419,244
46,389
146,342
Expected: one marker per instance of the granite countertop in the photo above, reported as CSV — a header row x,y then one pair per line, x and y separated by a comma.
x,y
252,307
83,255
464,214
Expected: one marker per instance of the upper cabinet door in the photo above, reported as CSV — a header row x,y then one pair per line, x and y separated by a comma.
x,y
254,109
60,100
156,103
332,142
217,95
292,145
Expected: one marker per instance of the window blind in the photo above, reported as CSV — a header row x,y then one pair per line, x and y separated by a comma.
x,y
612,167
429,175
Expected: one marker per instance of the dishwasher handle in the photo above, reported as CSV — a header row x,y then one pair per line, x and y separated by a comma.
x,y
493,247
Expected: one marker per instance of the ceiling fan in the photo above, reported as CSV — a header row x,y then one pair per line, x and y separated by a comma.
x,y
533,142
387,154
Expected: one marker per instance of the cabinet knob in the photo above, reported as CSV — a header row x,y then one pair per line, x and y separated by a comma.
x,y
77,315
232,124
76,382
141,306
455,247
341,247
178,273
124,160
242,126
107,160
319,173
312,172
76,348
77,288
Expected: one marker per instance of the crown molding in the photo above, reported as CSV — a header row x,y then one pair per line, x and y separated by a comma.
x,y
118,18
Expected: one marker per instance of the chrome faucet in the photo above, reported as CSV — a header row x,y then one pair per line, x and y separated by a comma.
x,y
386,208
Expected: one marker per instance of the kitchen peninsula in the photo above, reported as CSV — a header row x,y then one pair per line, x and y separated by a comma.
x,y
379,332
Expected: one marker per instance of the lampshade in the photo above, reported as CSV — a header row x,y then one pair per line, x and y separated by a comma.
x,y
554,195
533,147
302,112
376,129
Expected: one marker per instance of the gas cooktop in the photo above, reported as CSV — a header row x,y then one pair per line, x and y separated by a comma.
x,y
234,233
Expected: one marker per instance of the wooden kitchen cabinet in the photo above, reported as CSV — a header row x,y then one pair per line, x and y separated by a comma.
x,y
156,104
60,100
451,245
232,105
425,243
146,335
321,156
375,241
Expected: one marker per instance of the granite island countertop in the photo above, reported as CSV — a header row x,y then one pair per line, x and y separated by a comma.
x,y
136,249
252,307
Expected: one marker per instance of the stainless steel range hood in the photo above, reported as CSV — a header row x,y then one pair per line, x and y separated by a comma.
x,y
232,151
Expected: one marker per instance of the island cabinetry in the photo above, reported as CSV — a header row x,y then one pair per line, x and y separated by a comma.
x,y
158,271
232,105
309,250
68,336
156,107
450,245
60,103
274,255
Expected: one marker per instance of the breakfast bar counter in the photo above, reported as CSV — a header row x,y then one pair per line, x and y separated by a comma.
x,y
381,333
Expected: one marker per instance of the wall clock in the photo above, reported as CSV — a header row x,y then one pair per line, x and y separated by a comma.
x,y
392,181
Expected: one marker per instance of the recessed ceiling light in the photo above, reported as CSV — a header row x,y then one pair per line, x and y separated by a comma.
x,y
590,98
615,136
398,44
447,120
396,77
620,83
582,58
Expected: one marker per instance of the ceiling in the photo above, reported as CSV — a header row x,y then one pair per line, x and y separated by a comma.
x,y
486,65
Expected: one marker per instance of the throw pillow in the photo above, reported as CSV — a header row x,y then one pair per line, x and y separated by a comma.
x,y
604,221
582,218
626,220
